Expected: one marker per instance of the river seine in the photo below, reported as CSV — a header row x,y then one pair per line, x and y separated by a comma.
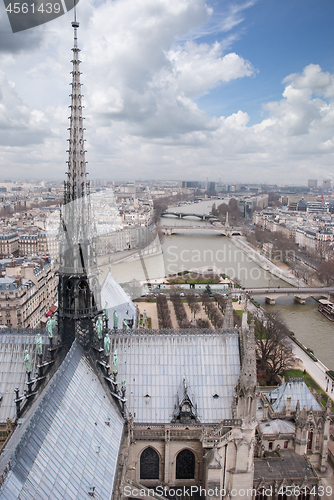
x,y
190,250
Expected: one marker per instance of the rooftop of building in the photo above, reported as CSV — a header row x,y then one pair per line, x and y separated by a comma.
x,y
276,426
8,235
298,391
290,466
12,368
69,440
154,365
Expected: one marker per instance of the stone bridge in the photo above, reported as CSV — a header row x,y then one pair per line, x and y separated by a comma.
x,y
299,293
222,230
181,215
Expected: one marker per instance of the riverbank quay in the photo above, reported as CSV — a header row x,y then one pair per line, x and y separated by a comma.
x,y
266,264
316,369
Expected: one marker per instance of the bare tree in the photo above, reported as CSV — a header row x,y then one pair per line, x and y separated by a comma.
x,y
163,312
193,304
220,301
180,311
203,323
272,347
212,311
223,209
326,271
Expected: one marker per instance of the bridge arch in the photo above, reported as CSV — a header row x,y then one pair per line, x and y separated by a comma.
x,y
182,215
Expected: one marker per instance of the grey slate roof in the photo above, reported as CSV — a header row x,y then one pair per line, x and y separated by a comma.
x,y
69,440
154,367
298,390
7,283
12,368
277,426
292,466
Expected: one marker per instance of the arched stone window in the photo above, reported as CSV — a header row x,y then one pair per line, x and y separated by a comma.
x,y
69,295
149,464
310,439
260,495
83,293
185,465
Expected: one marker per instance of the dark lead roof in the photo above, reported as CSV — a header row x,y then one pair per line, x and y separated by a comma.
x,y
68,441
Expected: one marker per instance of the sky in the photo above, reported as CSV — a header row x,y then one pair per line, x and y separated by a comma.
x,y
237,91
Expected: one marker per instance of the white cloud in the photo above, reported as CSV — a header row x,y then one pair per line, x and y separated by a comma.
x,y
144,81
18,123
199,68
313,79
140,83
233,16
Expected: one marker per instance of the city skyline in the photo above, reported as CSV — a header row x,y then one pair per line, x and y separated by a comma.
x,y
175,90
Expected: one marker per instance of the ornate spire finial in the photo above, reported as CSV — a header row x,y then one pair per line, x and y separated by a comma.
x,y
76,186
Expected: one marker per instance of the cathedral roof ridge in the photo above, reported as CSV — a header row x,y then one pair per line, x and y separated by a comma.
x,y
174,332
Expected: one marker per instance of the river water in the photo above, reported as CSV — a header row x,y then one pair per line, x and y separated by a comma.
x,y
192,250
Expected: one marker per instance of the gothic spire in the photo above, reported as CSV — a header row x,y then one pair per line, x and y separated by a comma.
x,y
248,370
247,384
244,324
78,287
228,316
76,186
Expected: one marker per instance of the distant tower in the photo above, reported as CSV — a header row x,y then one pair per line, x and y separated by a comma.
x,y
312,183
78,283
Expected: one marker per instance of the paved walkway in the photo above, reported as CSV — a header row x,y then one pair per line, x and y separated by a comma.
x,y
189,314
202,314
172,314
317,370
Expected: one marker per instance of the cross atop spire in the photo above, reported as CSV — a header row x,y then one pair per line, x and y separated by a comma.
x,y
76,186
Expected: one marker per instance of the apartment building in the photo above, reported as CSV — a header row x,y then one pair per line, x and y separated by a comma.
x,y
311,231
9,245
27,292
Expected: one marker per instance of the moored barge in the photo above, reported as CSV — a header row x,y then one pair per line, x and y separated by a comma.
x,y
327,309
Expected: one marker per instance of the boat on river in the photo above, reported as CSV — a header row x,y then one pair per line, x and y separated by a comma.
x,y
327,309
270,300
299,299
